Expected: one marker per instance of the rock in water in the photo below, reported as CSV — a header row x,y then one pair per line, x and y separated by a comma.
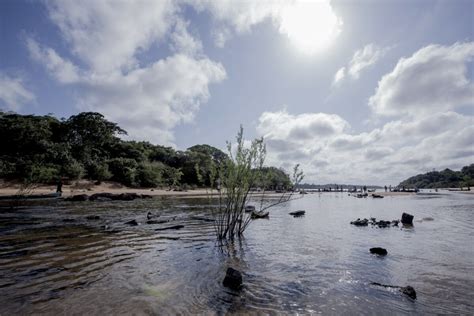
x,y
175,227
361,222
93,217
297,213
379,251
407,219
409,291
133,222
233,279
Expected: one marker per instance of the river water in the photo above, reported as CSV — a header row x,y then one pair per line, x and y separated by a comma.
x,y
53,260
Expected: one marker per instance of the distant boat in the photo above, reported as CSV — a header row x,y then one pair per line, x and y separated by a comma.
x,y
55,195
370,190
256,215
377,196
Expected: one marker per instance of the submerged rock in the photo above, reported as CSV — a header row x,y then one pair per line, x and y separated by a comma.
x,y
409,291
176,227
233,279
133,222
93,217
407,219
379,251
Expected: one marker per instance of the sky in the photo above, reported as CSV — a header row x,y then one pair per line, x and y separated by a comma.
x,y
354,91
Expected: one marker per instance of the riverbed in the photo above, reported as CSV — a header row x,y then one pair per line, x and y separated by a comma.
x,y
80,258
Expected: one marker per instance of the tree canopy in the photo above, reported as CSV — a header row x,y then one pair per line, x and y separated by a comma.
x,y
442,179
87,146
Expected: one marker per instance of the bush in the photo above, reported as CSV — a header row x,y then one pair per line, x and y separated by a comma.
x,y
42,174
73,170
123,170
98,171
149,175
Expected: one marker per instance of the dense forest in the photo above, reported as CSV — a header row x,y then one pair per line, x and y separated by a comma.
x,y
442,179
44,149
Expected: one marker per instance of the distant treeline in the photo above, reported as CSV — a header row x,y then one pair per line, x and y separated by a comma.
x,y
442,179
44,149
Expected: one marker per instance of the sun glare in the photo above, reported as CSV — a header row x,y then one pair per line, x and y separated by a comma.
x,y
310,25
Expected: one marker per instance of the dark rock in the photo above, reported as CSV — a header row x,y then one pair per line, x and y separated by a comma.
x,y
409,291
103,195
76,198
127,196
69,220
257,215
157,222
93,217
249,208
360,222
204,219
233,279
170,227
383,224
407,219
395,222
378,251
133,222
298,213
146,196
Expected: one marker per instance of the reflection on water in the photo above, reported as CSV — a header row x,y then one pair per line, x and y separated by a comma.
x,y
56,260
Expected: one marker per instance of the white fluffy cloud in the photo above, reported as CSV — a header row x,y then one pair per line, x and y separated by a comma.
x,y
385,155
13,94
433,79
361,60
310,24
107,37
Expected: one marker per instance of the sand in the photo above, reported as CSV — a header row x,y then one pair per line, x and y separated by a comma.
x,y
87,187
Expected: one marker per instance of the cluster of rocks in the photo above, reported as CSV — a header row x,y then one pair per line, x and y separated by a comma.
x,y
106,196
407,219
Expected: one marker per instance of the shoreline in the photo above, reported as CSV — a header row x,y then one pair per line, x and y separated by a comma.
x,y
89,188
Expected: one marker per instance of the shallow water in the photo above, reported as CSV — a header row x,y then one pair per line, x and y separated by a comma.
x,y
53,260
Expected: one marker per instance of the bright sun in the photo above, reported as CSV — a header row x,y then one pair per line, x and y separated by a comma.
x,y
310,25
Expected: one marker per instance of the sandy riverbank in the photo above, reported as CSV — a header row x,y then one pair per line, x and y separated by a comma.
x,y
89,188
86,187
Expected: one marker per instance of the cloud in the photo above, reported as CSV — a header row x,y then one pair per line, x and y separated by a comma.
x,y
107,38
339,76
150,102
13,94
308,23
282,125
364,58
433,79
385,155
62,70
361,60
106,35
182,41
